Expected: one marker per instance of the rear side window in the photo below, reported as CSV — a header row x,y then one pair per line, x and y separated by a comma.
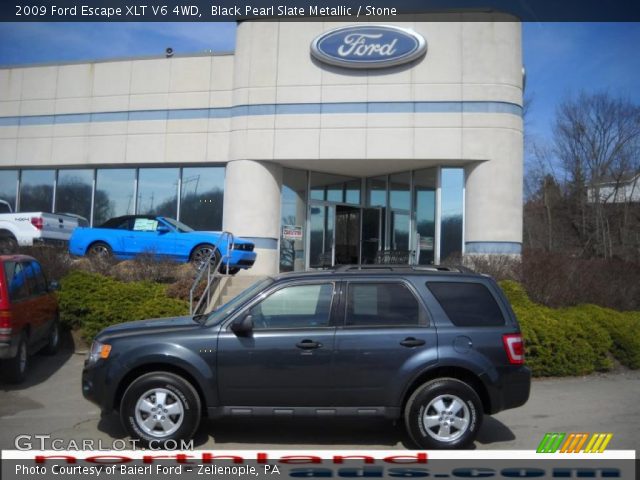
x,y
16,281
467,304
39,282
381,304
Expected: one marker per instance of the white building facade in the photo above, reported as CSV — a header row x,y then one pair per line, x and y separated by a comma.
x,y
318,164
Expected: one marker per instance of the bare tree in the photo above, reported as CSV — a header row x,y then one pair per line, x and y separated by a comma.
x,y
597,141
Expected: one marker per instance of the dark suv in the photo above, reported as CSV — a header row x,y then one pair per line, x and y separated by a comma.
x,y
438,347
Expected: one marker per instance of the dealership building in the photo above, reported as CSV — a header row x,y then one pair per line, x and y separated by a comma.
x,y
325,143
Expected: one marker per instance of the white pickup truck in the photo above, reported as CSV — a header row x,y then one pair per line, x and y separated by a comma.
x,y
25,229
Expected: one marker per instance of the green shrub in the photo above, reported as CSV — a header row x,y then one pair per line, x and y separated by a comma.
x,y
90,302
576,340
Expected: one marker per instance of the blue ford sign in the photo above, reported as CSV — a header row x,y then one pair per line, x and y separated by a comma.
x,y
368,46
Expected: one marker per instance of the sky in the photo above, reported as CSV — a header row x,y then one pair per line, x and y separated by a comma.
x,y
561,59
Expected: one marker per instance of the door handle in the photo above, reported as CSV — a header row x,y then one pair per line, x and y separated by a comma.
x,y
412,342
308,345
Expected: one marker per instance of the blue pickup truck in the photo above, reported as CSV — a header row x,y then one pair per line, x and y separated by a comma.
x,y
165,238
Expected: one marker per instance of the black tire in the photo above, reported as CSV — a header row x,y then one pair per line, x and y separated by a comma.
x,y
100,250
53,343
438,396
232,271
8,243
16,368
180,397
201,253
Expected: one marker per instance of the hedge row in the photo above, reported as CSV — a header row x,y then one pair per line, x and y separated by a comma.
x,y
568,341
90,302
575,340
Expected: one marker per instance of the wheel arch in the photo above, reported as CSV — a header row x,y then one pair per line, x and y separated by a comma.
x,y
203,244
140,370
93,242
457,372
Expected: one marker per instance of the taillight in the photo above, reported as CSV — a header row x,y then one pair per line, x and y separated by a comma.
x,y
37,222
5,325
514,346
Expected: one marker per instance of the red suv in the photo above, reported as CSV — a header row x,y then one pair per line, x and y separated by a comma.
x,y
28,315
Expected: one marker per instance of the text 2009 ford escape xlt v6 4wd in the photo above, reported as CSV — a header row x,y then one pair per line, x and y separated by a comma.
x,y
437,347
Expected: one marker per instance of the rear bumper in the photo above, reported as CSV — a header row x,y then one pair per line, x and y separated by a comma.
x,y
512,390
9,349
53,242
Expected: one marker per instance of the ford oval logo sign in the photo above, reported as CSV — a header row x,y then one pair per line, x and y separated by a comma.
x,y
368,46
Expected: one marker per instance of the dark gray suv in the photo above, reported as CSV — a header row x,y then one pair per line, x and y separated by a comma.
x,y
438,347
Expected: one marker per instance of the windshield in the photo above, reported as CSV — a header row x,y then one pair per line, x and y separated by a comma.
x,y
231,306
179,226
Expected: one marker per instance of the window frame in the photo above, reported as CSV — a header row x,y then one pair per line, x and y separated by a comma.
x,y
275,288
424,319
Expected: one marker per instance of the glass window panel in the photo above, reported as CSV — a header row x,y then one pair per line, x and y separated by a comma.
x,y
399,231
8,188
36,190
202,197
467,304
73,192
424,185
399,186
293,208
377,191
158,192
300,306
452,185
352,192
381,304
321,242
335,188
114,194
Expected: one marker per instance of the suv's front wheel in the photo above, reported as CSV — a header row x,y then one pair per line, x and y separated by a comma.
x,y
160,406
443,413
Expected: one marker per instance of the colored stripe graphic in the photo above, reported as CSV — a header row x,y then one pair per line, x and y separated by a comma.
x,y
574,442
550,442
598,442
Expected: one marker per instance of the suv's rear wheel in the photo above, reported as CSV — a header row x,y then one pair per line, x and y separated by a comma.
x,y
160,406
443,413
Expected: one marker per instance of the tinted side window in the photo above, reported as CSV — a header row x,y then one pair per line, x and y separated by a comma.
x,y
41,282
381,304
31,278
298,306
467,304
16,281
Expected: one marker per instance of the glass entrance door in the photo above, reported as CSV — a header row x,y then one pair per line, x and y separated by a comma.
x,y
347,244
372,233
321,240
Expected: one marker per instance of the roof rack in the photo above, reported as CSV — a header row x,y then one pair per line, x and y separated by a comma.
x,y
395,268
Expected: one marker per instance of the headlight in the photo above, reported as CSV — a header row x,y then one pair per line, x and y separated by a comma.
x,y
98,351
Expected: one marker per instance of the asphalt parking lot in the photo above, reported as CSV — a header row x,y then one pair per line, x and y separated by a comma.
x,y
50,402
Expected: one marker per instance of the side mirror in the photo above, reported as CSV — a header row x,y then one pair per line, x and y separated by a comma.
x,y
54,286
162,229
242,326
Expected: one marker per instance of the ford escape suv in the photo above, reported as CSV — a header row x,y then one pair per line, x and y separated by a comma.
x,y
436,347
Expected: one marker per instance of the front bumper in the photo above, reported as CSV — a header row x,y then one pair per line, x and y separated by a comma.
x,y
95,385
242,259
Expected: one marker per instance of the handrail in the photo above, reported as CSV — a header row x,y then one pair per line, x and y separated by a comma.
x,y
212,271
